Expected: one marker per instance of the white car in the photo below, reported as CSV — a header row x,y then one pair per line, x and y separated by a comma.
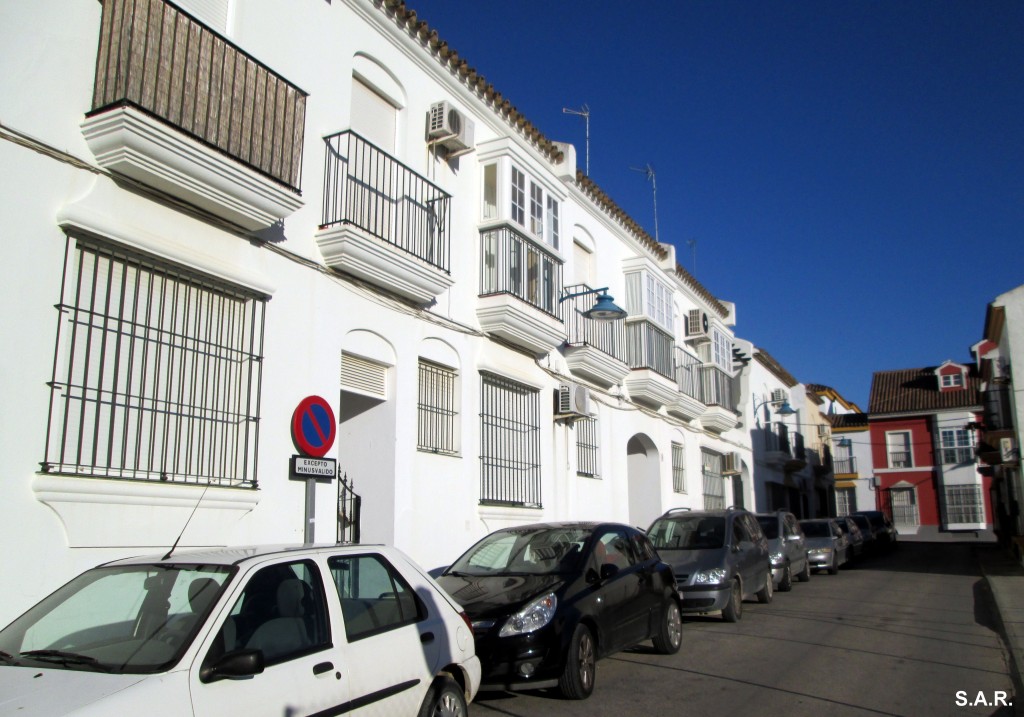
x,y
250,631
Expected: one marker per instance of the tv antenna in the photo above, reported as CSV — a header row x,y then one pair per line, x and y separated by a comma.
x,y
649,171
583,112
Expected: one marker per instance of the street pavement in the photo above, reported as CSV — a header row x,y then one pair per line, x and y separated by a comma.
x,y
1005,578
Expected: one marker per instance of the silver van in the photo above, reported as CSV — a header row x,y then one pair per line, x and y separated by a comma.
x,y
719,558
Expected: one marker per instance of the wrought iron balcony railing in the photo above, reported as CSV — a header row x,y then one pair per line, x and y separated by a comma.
x,y
513,264
717,387
156,58
845,465
688,373
366,187
606,336
647,346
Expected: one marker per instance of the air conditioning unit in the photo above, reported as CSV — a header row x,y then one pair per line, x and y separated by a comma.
x,y
779,396
732,465
572,401
697,327
822,431
449,128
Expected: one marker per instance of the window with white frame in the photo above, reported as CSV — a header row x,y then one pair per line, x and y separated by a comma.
x,y
648,296
583,264
156,373
510,472
904,507
952,380
964,504
437,409
714,482
518,209
898,449
530,206
537,210
678,468
721,349
587,448
553,228
957,446
846,501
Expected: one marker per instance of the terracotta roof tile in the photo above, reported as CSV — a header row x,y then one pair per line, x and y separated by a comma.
x,y
916,390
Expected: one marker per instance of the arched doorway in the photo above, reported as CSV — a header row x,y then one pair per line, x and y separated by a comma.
x,y
642,474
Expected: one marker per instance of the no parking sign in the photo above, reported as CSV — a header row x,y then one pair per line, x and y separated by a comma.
x,y
313,426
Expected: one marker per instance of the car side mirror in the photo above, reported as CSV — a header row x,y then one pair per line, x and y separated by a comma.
x,y
237,663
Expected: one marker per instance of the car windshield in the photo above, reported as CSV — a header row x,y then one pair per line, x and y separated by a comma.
x,y
129,619
817,529
528,550
770,526
688,532
861,521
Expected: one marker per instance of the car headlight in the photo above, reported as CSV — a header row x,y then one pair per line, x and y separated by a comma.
x,y
822,551
776,559
709,577
534,616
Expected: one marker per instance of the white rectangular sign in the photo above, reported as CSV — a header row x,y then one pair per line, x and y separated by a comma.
x,y
314,467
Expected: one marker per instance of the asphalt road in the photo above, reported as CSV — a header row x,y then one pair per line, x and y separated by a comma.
x,y
910,633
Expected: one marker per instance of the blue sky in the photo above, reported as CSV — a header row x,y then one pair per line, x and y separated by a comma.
x,y
852,172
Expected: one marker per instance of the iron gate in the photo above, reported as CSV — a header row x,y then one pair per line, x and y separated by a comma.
x,y
349,508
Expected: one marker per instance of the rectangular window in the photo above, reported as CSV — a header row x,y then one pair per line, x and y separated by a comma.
x,y
375,598
437,407
721,350
964,504
846,501
156,373
518,197
509,442
898,445
490,208
956,445
714,483
678,468
537,210
904,507
553,226
587,450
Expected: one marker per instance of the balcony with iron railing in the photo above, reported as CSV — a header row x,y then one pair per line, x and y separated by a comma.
x,y
718,393
181,109
688,403
595,349
382,221
650,353
520,286
845,466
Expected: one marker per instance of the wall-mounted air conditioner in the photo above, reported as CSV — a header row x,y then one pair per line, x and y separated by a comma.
x,y
572,401
697,330
449,128
732,465
779,396
823,431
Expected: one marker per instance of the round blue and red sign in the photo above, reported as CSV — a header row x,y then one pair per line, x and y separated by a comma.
x,y
313,426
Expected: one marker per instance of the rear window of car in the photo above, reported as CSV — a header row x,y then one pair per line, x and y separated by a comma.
x,y
817,529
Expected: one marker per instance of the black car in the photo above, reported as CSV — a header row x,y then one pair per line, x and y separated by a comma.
x,y
548,600
882,528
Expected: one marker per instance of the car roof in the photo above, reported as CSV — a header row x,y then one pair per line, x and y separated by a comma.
x,y
235,555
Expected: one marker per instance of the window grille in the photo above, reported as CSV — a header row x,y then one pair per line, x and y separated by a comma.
x,y
846,501
904,507
587,450
964,504
678,468
509,442
714,483
156,372
438,409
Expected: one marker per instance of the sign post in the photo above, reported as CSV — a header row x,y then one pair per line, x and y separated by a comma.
x,y
313,431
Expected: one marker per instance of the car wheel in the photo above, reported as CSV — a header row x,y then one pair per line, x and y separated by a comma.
x,y
786,584
670,634
733,610
577,681
834,567
765,594
445,698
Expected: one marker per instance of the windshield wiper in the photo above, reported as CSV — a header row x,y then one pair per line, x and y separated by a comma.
x,y
65,658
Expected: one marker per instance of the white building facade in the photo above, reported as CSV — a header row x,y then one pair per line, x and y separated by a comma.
x,y
216,209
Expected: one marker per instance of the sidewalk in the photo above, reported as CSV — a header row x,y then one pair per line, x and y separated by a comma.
x,y
1005,577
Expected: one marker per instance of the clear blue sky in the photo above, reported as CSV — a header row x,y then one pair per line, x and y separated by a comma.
x,y
852,171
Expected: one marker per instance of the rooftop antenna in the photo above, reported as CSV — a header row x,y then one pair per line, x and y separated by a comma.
x,y
649,171
583,112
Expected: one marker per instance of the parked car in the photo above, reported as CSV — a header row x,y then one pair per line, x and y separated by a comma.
x,y
854,535
787,549
548,600
885,532
867,532
719,557
827,544
248,630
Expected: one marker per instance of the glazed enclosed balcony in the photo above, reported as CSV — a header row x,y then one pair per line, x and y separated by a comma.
x,y
718,393
650,354
383,222
182,110
688,403
594,349
520,284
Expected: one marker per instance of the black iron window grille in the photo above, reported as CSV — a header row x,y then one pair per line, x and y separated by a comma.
x,y
678,468
366,187
437,407
156,372
509,443
587,449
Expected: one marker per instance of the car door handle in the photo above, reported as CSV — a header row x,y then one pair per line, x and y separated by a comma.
x,y
427,638
322,667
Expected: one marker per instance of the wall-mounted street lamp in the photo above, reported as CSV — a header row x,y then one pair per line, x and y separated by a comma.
x,y
784,410
604,308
